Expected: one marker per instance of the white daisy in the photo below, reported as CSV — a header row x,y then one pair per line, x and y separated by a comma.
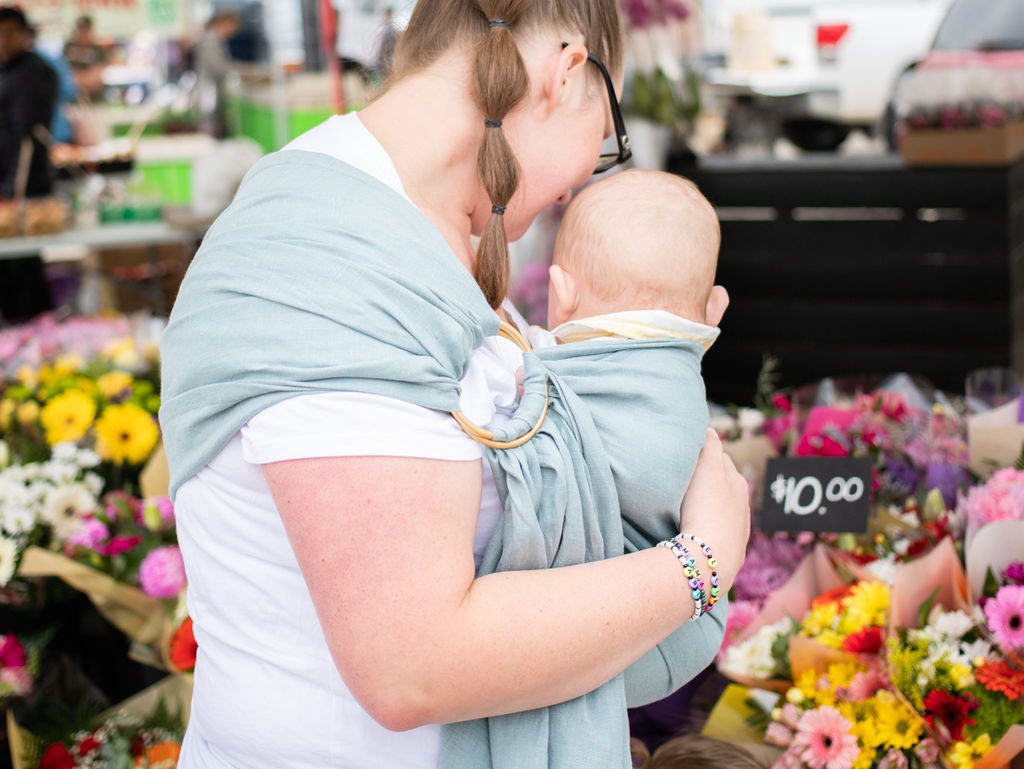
x,y
65,507
954,624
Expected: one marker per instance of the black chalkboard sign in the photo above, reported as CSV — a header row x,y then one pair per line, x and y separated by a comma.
x,y
830,494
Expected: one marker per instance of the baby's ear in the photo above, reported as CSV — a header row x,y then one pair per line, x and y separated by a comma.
x,y
563,296
718,301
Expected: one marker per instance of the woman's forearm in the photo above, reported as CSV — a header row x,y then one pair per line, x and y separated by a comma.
x,y
385,545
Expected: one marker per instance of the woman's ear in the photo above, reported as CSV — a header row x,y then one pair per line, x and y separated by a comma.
x,y
563,296
568,71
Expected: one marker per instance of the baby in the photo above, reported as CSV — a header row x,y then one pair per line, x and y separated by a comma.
x,y
635,261
624,422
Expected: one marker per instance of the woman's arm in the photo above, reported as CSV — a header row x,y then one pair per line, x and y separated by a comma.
x,y
385,545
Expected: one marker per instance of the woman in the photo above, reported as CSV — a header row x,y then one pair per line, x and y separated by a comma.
x,y
330,528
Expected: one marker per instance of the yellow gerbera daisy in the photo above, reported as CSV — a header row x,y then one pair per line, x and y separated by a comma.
x,y
114,383
898,726
67,417
965,755
819,619
865,760
865,606
126,433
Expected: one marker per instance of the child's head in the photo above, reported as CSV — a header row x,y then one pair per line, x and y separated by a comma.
x,y
696,751
637,240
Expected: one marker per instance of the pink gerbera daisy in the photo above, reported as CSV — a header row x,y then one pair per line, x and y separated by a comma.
x,y
824,736
1005,614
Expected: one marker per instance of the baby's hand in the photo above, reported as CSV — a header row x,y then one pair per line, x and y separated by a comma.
x,y
520,373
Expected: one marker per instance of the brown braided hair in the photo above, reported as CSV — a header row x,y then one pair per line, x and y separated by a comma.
x,y
499,82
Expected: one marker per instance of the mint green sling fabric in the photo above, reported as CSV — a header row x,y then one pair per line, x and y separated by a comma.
x,y
319,278
604,475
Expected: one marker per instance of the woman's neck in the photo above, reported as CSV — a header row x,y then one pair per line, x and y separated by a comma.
x,y
431,129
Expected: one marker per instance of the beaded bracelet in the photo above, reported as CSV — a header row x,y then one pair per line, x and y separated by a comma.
x,y
714,592
692,574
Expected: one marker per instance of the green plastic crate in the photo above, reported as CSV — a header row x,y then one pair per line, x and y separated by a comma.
x,y
170,179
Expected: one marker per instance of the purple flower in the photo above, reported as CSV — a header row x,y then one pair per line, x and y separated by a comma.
x,y
1014,574
902,473
947,478
162,572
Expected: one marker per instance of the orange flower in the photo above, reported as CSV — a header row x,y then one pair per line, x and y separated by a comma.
x,y
998,676
160,753
183,647
835,596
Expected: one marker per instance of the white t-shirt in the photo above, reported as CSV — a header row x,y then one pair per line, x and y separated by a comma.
x,y
267,693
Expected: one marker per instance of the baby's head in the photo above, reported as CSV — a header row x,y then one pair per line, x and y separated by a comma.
x,y
639,240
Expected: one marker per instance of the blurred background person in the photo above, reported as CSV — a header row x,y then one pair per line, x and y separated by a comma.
x,y
87,58
67,93
28,93
213,64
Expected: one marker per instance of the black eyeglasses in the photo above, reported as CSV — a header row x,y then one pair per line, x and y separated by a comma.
x,y
606,162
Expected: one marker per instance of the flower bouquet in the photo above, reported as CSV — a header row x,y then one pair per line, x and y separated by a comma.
x,y
119,550
107,403
19,665
143,731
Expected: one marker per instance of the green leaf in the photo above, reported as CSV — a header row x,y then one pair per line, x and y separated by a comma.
x,y
991,586
1019,464
926,607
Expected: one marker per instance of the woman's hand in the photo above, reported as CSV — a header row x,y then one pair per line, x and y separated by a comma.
x,y
717,508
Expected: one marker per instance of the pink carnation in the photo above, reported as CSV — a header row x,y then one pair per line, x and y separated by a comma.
x,y
865,685
162,572
778,735
1001,498
741,614
90,534
894,759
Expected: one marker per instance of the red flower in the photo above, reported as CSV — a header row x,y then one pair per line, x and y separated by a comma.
x,y
57,756
950,711
183,646
88,745
918,547
866,641
998,676
781,402
119,545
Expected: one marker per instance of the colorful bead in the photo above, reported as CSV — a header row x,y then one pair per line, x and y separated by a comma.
x,y
715,590
694,583
713,563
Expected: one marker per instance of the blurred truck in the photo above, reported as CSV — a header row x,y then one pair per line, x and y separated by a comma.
x,y
817,69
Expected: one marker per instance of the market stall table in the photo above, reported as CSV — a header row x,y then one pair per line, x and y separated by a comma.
x,y
149,235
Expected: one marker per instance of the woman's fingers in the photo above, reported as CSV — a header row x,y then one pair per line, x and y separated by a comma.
x,y
717,507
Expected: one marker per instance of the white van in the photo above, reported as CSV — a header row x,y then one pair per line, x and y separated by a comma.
x,y
821,67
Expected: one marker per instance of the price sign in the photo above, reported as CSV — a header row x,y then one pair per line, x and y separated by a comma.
x,y
817,494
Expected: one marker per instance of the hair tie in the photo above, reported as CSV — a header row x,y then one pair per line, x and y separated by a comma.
x,y
491,123
499,210
498,23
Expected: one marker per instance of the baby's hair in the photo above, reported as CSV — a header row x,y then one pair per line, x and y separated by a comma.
x,y
695,751
643,239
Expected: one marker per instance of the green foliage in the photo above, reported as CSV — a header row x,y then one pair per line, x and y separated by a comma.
x,y
996,714
991,586
656,97
1019,464
926,607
